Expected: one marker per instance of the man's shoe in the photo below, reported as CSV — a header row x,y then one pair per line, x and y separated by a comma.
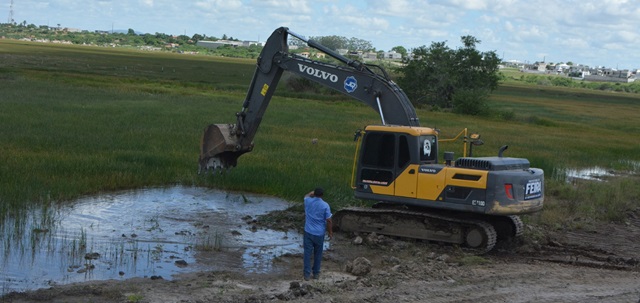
x,y
316,277
306,278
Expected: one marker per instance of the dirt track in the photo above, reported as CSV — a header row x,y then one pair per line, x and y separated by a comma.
x,y
578,266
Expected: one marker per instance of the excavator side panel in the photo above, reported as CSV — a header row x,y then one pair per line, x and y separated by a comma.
x,y
406,184
431,181
383,190
463,177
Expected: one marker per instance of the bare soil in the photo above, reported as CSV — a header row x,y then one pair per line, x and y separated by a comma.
x,y
597,265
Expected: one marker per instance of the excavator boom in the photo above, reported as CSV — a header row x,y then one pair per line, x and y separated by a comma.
x,y
222,144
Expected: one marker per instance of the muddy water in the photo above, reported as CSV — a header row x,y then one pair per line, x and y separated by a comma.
x,y
141,233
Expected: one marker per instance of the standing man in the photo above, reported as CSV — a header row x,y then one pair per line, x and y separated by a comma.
x,y
317,215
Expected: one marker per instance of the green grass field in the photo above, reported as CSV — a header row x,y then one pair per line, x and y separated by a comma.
x,y
80,120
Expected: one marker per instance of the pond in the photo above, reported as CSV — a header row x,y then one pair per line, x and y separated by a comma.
x,y
151,233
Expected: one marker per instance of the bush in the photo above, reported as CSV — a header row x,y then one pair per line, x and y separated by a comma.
x,y
561,81
544,82
470,102
539,121
506,115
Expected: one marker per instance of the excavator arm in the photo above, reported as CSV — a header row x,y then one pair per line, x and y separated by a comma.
x,y
222,144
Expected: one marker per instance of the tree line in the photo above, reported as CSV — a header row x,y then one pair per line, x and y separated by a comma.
x,y
436,77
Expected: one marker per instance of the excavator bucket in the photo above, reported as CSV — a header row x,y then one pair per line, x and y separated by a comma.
x,y
220,148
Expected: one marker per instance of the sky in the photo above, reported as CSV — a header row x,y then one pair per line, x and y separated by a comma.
x,y
590,32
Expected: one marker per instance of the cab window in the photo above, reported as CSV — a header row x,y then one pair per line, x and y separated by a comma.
x,y
428,150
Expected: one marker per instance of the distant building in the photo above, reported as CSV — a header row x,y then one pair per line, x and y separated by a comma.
x,y
611,75
392,55
369,56
219,43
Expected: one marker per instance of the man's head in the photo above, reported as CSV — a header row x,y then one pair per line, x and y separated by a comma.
x,y
318,192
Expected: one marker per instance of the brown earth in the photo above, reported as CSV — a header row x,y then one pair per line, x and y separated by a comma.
x,y
596,265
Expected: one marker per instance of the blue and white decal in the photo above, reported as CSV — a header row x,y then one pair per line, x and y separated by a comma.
x,y
533,189
350,84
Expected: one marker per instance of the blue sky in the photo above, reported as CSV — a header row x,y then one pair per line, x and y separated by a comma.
x,y
591,32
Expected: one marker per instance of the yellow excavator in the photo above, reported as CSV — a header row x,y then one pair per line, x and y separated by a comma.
x,y
470,201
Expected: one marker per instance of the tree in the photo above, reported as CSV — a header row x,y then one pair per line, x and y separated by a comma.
x,y
197,37
151,40
332,42
131,32
460,80
356,44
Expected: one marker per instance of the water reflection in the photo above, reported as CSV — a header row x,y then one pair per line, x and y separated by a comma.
x,y
141,233
591,173
597,173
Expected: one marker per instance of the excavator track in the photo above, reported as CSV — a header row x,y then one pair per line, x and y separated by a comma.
x,y
475,236
507,227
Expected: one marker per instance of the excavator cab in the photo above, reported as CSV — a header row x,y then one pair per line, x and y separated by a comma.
x,y
399,164
391,156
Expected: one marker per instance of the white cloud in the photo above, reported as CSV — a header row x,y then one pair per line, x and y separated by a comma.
x,y
509,26
627,36
489,19
285,6
573,43
469,4
219,5
148,3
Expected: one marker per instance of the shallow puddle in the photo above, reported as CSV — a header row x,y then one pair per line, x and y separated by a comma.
x,y
141,233
591,173
597,173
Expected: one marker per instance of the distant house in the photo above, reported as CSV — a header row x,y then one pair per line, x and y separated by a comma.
x,y
219,43
308,55
305,54
562,67
369,56
611,75
392,55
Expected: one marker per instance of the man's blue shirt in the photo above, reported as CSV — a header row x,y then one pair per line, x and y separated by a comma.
x,y
317,211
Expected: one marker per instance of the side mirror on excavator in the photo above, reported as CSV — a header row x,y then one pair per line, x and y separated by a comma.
x,y
357,134
475,142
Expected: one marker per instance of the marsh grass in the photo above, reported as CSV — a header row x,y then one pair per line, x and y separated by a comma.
x,y
83,120
210,242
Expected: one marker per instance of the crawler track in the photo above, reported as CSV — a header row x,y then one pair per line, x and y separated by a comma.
x,y
473,235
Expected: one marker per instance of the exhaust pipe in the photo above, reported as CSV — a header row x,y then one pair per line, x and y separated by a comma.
x,y
502,149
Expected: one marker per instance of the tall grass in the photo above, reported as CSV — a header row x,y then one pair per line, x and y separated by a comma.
x,y
83,120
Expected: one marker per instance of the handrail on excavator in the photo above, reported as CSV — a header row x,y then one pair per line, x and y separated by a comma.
x,y
475,137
